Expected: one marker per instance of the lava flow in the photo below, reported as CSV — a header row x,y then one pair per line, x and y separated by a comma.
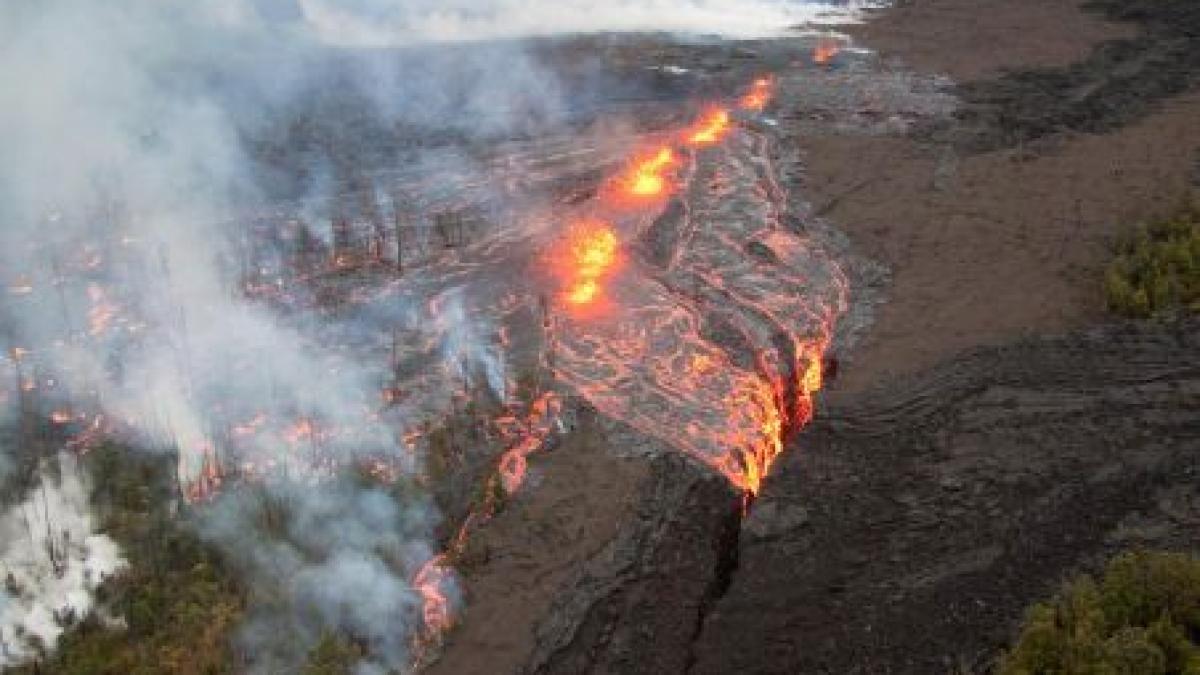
x,y
646,176
825,50
586,257
711,129
759,95
713,336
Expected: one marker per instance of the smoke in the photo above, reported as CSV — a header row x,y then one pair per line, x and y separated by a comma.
x,y
379,23
126,132
335,559
51,561
134,137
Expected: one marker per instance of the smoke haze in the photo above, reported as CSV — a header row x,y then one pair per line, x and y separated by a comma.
x,y
131,136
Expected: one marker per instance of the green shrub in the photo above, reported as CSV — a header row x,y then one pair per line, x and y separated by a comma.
x,y
1143,618
1157,267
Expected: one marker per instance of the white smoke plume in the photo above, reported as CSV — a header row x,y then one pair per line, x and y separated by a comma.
x,y
52,559
124,174
123,169
383,23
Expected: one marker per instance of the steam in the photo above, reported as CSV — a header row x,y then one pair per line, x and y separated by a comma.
x,y
335,559
122,129
131,143
51,561
379,23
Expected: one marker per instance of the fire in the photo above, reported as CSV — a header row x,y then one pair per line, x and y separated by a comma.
x,y
813,376
825,50
529,436
302,429
710,129
646,177
584,292
759,95
251,426
436,607
589,255
102,311
594,250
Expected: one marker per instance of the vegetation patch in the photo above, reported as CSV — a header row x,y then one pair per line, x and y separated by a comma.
x,y
173,608
1142,618
1157,268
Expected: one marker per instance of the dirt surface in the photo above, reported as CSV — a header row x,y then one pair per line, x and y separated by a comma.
x,y
515,564
984,247
972,40
908,529
638,605
605,561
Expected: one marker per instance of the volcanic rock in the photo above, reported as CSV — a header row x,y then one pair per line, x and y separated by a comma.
x,y
938,507
636,606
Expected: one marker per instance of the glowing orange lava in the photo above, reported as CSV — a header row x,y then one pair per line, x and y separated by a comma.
x,y
759,95
710,129
594,249
583,293
435,607
646,177
825,50
586,258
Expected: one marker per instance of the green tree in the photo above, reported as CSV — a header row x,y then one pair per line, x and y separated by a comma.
x,y
1143,618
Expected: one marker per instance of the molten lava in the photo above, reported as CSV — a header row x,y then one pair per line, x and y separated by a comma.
x,y
587,256
759,95
594,249
825,50
710,129
429,580
583,292
647,177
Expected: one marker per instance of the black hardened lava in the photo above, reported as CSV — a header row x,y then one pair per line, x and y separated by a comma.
x,y
1118,83
909,527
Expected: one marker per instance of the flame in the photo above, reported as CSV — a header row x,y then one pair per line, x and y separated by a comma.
x,y
710,129
102,311
529,436
428,582
594,249
646,177
813,376
587,256
303,429
583,293
825,50
759,95
251,426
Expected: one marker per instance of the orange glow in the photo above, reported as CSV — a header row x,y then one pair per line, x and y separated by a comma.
x,y
250,427
435,607
526,437
710,129
759,95
825,50
594,250
587,256
102,311
646,177
583,293
813,375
